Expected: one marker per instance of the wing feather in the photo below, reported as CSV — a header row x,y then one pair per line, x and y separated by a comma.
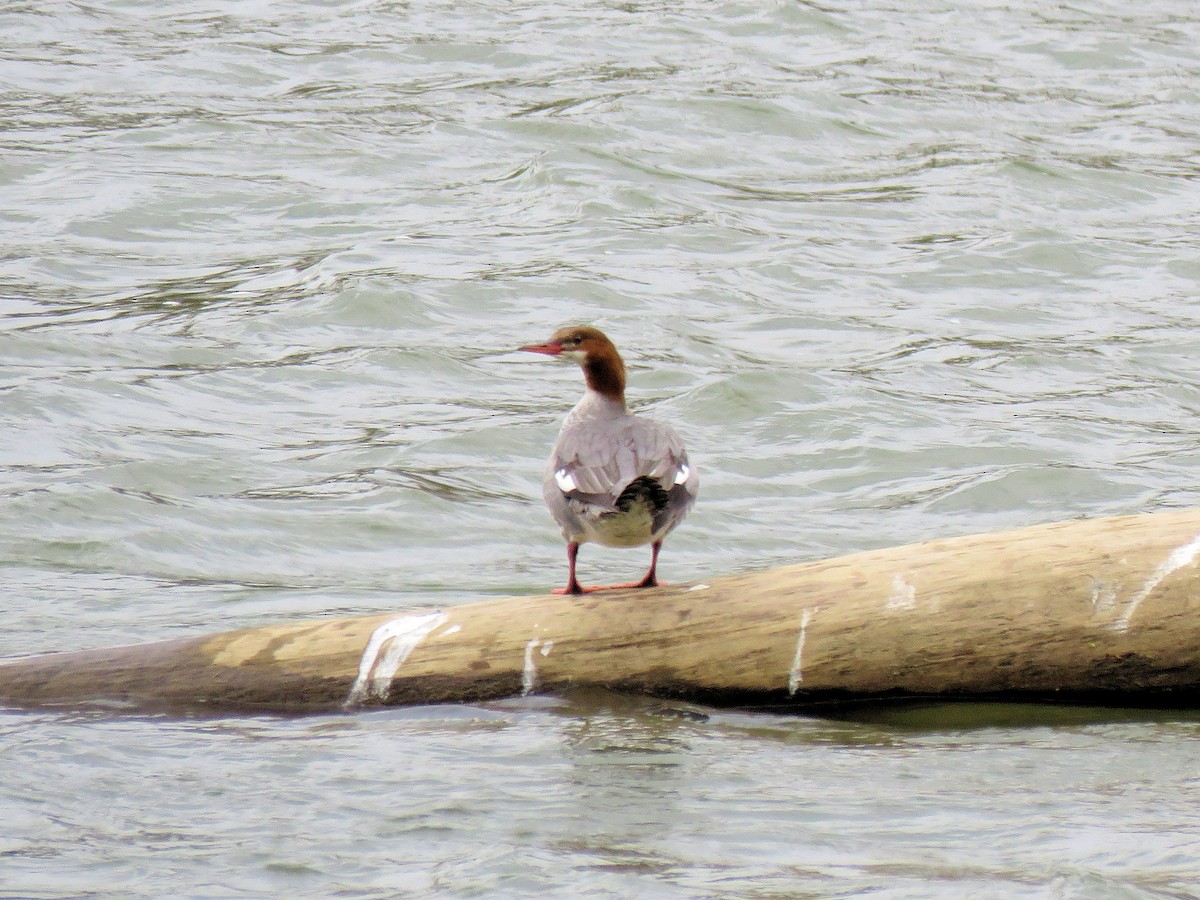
x,y
593,462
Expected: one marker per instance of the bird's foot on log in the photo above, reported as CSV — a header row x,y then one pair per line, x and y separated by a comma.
x,y
614,587
603,587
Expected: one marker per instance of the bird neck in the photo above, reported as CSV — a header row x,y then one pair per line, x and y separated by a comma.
x,y
605,374
595,407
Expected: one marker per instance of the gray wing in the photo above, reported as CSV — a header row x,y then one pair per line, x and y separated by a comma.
x,y
594,462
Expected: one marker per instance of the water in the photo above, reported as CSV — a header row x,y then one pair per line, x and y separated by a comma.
x,y
895,271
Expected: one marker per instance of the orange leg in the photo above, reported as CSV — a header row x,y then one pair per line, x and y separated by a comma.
x,y
573,586
651,579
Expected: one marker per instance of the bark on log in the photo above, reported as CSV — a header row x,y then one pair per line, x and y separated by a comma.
x,y
1106,610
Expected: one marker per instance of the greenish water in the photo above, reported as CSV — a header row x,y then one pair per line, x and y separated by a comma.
x,y
894,271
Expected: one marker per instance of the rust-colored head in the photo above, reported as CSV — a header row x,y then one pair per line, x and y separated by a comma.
x,y
595,353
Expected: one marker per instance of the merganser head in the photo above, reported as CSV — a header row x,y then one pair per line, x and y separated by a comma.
x,y
591,348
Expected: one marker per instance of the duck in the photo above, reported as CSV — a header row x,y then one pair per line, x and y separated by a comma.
x,y
613,478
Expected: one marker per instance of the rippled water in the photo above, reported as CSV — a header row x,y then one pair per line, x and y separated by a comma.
x,y
895,271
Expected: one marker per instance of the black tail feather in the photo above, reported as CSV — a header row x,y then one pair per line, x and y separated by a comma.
x,y
646,490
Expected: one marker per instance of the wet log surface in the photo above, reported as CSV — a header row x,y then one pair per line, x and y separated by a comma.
x,y
1104,610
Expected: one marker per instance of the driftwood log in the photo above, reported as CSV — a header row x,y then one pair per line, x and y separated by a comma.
x,y
1104,610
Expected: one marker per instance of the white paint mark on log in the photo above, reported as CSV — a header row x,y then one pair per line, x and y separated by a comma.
x,y
796,673
529,675
453,629
903,595
699,587
1178,558
1104,598
546,647
389,646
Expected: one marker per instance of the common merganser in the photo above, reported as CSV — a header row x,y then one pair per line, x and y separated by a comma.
x,y
614,478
